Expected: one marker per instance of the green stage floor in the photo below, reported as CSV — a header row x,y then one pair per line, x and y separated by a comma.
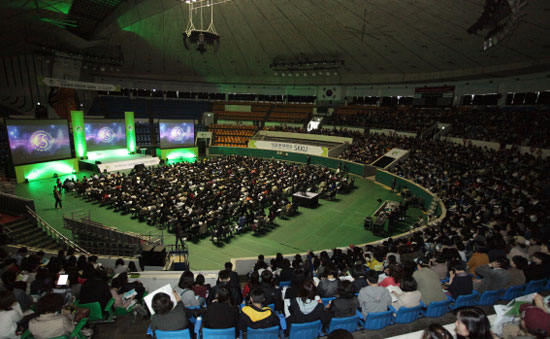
x,y
332,224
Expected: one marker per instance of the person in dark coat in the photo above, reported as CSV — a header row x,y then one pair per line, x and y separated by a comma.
x,y
221,312
224,281
57,197
272,294
95,288
346,304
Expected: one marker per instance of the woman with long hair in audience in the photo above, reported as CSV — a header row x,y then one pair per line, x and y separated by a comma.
x,y
472,323
188,297
306,307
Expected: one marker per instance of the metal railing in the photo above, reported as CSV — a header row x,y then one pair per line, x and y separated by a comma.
x,y
55,234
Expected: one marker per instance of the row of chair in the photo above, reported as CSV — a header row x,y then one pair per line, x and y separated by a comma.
x,y
373,321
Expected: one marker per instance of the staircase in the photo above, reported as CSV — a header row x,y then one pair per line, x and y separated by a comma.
x,y
25,232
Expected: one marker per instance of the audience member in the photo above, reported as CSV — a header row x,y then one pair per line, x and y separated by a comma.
x,y
373,298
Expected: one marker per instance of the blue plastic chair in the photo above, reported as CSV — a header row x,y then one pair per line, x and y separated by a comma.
x,y
489,298
263,333
378,320
435,309
349,324
305,330
285,283
326,301
181,334
222,333
534,286
547,286
406,315
513,292
465,301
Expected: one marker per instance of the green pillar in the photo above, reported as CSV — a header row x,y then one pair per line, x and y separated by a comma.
x,y
130,132
79,136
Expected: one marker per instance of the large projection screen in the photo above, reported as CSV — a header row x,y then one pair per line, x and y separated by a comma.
x,y
33,141
177,133
105,134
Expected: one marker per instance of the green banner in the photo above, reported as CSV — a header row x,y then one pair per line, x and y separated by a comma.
x,y
130,132
79,136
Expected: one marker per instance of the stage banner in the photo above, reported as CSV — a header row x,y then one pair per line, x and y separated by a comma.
x,y
79,136
130,131
289,147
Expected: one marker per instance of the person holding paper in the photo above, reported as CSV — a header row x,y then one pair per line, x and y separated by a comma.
x,y
167,317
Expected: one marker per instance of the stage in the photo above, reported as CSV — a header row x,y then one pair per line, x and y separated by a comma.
x,y
115,160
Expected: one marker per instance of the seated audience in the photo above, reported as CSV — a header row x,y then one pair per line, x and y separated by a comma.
x,y
428,282
254,315
515,271
221,312
328,287
188,297
494,276
346,304
306,307
373,298
410,297
51,323
167,317
10,315
460,282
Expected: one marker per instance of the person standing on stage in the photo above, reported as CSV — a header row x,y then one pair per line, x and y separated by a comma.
x,y
57,196
179,235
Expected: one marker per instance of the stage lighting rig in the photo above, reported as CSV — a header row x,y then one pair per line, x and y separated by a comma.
x,y
202,38
500,18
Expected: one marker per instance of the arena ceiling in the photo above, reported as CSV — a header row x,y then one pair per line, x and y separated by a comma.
x,y
377,40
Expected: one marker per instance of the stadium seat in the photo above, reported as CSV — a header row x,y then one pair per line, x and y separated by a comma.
x,y
222,333
379,320
435,309
326,301
406,315
489,298
547,286
306,330
513,292
181,334
285,283
465,300
96,315
263,333
349,324
534,286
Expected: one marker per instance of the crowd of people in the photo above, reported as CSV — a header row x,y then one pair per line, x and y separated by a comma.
x,y
217,196
424,267
33,297
505,127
